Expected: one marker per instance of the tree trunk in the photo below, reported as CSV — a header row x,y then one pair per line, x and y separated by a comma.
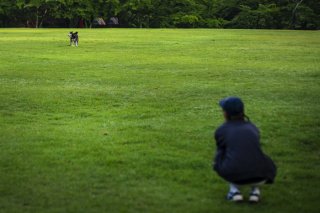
x,y
140,23
42,18
293,20
37,18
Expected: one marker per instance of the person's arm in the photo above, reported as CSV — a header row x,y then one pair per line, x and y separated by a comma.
x,y
257,132
220,153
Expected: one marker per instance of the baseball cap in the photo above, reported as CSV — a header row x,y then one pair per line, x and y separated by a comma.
x,y
232,105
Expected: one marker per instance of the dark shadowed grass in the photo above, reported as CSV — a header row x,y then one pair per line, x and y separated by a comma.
x,y
124,122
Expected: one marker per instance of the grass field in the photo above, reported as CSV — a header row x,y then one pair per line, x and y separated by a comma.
x,y
124,122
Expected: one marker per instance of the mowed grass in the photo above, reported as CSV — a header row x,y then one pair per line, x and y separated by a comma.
x,y
124,122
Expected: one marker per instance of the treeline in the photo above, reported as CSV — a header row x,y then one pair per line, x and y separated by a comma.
x,y
262,14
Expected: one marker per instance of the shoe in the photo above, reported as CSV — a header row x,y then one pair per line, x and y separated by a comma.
x,y
235,197
254,198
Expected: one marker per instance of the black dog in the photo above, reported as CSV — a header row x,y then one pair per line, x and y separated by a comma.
x,y
74,38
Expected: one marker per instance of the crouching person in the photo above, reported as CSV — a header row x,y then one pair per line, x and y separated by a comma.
x,y
239,158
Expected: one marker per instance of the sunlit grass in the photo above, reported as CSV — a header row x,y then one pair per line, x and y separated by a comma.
x,y
124,122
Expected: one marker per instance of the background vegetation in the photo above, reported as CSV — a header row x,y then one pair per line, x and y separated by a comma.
x,y
124,122
260,14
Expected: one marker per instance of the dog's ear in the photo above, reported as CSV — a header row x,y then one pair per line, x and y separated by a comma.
x,y
76,33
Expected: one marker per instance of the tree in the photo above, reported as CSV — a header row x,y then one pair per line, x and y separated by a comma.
x,y
297,4
295,14
8,10
138,12
263,17
39,8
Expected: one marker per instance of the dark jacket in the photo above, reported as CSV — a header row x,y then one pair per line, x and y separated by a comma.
x,y
239,158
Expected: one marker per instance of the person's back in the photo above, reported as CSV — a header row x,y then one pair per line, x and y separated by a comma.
x,y
243,160
239,158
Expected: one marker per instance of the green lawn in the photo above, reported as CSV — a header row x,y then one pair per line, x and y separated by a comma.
x,y
124,122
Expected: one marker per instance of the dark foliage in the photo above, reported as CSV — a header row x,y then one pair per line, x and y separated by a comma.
x,y
262,14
